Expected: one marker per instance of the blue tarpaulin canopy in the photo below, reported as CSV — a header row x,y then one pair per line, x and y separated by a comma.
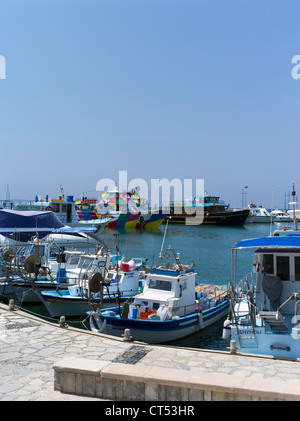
x,y
291,240
26,223
26,219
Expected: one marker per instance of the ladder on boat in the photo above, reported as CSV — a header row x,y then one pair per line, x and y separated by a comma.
x,y
275,320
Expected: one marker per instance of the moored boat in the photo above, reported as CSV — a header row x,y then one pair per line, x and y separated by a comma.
x,y
260,214
208,210
265,310
126,210
170,306
120,281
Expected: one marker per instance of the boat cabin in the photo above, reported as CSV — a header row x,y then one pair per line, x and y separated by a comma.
x,y
168,287
277,267
277,278
63,208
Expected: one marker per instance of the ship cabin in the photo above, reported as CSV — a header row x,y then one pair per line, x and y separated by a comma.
x,y
277,267
168,287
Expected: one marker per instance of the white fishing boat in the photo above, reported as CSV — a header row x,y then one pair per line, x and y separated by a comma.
x,y
38,265
119,280
265,310
167,309
46,278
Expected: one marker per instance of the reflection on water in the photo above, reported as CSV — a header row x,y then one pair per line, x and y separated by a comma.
x,y
209,338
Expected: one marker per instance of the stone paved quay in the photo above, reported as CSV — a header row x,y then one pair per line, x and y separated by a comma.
x,y
29,347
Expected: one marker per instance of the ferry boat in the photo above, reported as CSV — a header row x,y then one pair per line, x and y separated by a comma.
x,y
212,211
167,309
265,310
128,211
65,208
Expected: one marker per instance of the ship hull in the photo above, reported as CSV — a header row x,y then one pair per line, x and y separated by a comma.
x,y
227,218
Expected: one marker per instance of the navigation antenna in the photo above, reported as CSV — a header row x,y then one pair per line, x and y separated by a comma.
x,y
294,207
163,241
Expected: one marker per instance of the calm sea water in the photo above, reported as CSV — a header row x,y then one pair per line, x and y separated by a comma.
x,y
209,247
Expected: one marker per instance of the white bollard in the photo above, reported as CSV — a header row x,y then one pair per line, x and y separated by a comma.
x,y
62,322
232,347
126,335
11,305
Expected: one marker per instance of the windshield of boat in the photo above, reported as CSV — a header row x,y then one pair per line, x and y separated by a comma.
x,y
85,262
160,284
72,259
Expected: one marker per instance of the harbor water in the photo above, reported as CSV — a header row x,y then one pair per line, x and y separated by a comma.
x,y
209,247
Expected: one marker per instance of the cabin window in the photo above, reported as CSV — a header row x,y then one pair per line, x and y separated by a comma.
x,y
297,268
84,263
268,263
55,207
159,284
73,259
283,267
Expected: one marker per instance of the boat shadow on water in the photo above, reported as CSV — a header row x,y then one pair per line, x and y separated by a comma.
x,y
209,338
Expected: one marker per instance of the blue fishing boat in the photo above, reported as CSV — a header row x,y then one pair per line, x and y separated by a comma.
x,y
265,305
170,306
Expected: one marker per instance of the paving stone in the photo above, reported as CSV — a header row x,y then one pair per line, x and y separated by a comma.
x,y
30,347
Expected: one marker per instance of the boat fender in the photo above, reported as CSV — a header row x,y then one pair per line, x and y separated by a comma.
x,y
255,265
226,334
3,299
95,322
49,208
102,327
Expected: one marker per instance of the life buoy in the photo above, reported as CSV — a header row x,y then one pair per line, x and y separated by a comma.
x,y
48,208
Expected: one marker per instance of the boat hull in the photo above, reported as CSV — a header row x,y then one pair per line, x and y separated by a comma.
x,y
279,345
150,221
26,293
262,219
231,218
156,331
60,303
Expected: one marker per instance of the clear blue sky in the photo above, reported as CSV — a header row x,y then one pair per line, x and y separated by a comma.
x,y
160,88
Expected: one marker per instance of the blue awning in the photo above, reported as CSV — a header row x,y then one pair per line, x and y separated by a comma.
x,y
28,219
23,224
292,240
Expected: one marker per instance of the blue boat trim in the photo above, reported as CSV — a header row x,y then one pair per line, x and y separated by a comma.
x,y
158,325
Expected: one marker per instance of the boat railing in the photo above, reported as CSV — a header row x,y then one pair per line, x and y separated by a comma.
x,y
246,283
294,297
215,297
245,318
